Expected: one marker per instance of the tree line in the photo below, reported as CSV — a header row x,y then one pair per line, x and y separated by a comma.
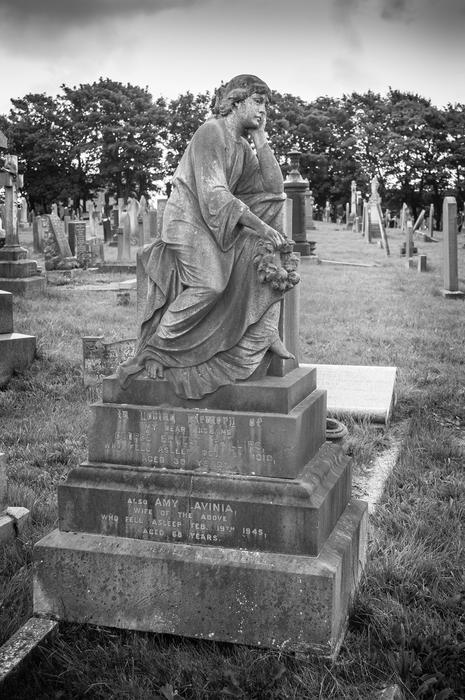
x,y
116,137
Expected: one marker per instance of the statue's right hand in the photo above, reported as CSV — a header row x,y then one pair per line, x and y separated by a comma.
x,y
276,238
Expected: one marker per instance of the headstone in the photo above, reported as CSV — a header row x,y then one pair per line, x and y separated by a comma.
x,y
153,216
106,229
375,218
100,359
77,241
120,243
146,227
422,263
419,221
409,238
348,222
309,202
287,227
327,212
37,242
57,251
353,200
403,217
450,262
161,204
126,226
431,221
23,215
133,214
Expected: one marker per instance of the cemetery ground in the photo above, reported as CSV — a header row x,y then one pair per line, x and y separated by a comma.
x,y
407,621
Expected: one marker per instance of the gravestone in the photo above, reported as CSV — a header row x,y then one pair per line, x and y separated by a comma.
x,y
17,350
36,235
18,273
450,263
133,214
161,205
77,241
353,204
431,221
375,219
57,251
309,202
100,359
226,517
126,242
419,222
153,223
233,503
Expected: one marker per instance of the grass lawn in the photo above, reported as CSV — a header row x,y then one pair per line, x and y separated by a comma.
x,y
407,622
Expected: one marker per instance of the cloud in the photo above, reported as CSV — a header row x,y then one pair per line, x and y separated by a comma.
x,y
438,14
83,12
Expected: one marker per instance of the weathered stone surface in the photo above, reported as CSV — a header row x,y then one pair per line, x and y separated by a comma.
x,y
25,286
364,392
257,598
289,332
269,394
18,268
256,513
17,351
6,312
13,522
229,442
3,483
15,652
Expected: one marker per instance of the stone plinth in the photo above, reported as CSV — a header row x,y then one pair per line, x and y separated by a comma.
x,y
227,518
235,442
291,516
6,312
263,599
19,274
269,394
17,351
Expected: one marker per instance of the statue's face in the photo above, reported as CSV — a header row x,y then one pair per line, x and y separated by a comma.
x,y
252,111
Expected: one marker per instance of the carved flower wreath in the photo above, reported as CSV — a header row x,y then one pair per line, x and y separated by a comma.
x,y
281,275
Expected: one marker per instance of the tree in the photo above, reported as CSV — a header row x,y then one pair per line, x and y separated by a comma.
x,y
185,114
35,132
116,135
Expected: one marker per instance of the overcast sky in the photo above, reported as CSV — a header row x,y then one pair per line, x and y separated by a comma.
x,y
305,47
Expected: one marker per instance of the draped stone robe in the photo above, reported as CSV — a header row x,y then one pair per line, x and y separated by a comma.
x,y
208,319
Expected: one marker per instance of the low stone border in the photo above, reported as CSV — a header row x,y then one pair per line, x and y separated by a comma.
x,y
22,644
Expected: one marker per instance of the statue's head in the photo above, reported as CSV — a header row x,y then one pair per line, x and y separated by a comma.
x,y
237,90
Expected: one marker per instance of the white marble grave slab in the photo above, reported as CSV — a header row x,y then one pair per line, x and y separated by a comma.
x,y
358,390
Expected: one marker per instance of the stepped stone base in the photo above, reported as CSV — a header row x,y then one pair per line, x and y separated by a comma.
x,y
261,599
234,442
25,286
276,515
269,394
17,352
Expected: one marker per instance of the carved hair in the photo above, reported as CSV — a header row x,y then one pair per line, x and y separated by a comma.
x,y
237,90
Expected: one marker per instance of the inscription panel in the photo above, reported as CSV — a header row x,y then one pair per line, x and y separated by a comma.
x,y
190,520
184,439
